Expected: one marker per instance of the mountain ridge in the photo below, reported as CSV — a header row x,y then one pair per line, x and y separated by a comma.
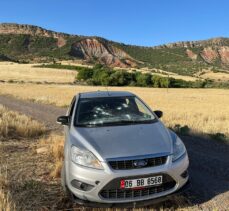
x,y
29,42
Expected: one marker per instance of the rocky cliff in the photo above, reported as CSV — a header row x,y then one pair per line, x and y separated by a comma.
x,y
11,28
219,41
91,48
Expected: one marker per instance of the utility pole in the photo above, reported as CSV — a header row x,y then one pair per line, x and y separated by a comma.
x,y
168,83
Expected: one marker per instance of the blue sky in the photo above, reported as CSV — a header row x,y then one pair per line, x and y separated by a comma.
x,y
137,22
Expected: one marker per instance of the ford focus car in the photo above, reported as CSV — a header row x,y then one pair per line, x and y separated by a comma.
x,y
117,151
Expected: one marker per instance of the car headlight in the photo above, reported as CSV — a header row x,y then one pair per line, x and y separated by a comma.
x,y
178,149
85,158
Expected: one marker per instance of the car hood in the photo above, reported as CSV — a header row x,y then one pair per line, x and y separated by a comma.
x,y
125,141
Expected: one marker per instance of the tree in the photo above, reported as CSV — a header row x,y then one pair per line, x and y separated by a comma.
x,y
85,74
143,79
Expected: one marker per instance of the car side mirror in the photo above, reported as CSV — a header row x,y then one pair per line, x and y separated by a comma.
x,y
63,120
158,113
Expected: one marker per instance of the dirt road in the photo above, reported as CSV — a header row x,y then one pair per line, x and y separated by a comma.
x,y
209,159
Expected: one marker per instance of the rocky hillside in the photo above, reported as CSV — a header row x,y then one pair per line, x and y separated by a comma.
x,y
185,58
211,51
104,53
27,43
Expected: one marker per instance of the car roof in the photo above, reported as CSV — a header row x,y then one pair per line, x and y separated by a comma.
x,y
97,94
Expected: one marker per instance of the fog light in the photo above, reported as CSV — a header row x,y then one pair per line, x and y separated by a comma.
x,y
185,174
81,185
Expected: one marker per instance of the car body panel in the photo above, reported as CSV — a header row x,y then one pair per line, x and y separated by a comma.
x,y
125,141
119,142
105,176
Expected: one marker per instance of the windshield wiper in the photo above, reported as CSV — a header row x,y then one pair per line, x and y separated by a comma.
x,y
133,121
121,122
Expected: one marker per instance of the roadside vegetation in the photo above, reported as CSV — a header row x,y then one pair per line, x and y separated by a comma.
x,y
54,144
16,126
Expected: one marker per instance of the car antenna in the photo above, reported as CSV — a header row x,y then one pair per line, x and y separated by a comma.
x,y
108,93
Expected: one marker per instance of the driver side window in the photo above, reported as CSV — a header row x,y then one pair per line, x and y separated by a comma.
x,y
71,108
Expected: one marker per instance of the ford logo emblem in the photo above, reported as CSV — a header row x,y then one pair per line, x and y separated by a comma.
x,y
140,163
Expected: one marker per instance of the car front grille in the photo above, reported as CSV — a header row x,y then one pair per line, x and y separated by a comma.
x,y
130,164
112,191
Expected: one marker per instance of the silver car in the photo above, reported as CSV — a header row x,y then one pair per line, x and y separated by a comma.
x,y
118,152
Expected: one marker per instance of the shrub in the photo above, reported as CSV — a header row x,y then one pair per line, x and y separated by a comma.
x,y
183,130
160,82
219,136
101,75
85,74
120,78
143,79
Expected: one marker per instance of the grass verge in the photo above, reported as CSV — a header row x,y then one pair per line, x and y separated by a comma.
x,y
16,126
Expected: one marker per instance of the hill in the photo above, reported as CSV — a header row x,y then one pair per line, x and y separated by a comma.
x,y
27,43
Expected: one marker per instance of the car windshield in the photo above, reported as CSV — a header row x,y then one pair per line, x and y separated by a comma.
x,y
112,111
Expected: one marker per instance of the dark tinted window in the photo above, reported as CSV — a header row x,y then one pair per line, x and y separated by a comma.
x,y
112,110
72,106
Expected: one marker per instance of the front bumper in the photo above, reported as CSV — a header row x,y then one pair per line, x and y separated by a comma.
x,y
100,178
133,204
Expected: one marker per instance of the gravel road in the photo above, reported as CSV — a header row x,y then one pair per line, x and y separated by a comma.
x,y
209,159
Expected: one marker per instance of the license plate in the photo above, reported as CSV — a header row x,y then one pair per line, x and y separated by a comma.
x,y
141,182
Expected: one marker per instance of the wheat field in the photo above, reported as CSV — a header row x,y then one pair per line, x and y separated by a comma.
x,y
26,72
14,125
202,110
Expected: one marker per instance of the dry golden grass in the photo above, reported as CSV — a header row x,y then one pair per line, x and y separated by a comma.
x,y
203,110
159,72
218,76
55,145
6,203
163,73
76,63
14,125
26,72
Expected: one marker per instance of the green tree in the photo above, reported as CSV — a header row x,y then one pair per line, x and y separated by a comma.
x,y
85,74
143,79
